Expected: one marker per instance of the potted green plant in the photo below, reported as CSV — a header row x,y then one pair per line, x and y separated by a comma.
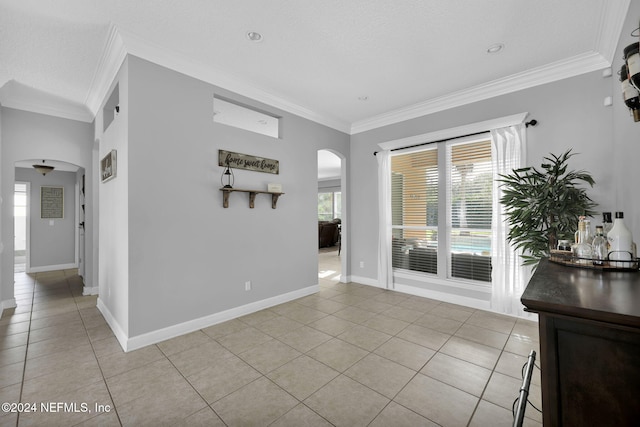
x,y
543,206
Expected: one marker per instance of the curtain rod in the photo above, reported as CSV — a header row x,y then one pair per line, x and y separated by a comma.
x,y
527,124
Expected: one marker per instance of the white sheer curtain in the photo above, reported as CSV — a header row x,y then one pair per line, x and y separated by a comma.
x,y
509,278
385,270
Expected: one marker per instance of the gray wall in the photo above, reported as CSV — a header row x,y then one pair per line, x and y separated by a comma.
x,y
188,256
626,138
570,114
25,136
51,244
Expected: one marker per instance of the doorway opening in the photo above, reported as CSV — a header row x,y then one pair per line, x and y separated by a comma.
x,y
331,225
21,226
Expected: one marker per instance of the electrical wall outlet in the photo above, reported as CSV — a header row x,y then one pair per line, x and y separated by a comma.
x,y
247,285
361,264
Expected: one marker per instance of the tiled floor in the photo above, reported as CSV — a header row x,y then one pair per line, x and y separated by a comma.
x,y
350,355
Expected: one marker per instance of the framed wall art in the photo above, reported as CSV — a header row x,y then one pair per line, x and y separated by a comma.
x,y
51,202
108,166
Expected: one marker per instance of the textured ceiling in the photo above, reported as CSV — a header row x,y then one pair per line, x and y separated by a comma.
x,y
317,57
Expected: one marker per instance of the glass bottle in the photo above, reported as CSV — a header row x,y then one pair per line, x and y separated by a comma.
x,y
582,250
620,242
599,247
606,223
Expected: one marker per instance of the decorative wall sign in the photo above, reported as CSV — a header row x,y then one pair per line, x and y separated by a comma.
x,y
51,202
108,167
248,162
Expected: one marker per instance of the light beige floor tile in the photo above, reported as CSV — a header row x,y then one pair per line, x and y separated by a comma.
x,y
106,419
470,351
390,297
354,314
279,326
380,374
403,313
203,418
11,374
374,306
225,328
100,332
55,320
522,345
332,325
322,304
60,381
438,323
14,340
196,359
105,347
235,410
495,322
13,355
116,363
338,354
73,329
482,336
269,355
451,312
398,416
365,338
386,324
225,376
424,336
258,317
406,353
183,342
305,338
348,299
61,360
418,303
437,401
345,402
527,328
301,416
488,414
460,374
10,318
303,376
54,345
167,403
138,382
13,328
84,403
243,340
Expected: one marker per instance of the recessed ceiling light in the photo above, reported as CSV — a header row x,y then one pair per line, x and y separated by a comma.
x,y
495,48
254,36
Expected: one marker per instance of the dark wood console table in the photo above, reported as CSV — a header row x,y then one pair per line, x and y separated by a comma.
x,y
589,324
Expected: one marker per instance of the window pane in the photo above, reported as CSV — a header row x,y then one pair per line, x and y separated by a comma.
x,y
469,184
415,250
325,207
337,204
414,189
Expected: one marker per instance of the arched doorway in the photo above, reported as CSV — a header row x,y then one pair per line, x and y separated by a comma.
x,y
52,214
332,218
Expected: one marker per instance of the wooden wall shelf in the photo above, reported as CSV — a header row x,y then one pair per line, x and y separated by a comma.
x,y
252,196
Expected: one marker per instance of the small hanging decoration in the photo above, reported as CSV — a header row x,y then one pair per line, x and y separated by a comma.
x,y
227,178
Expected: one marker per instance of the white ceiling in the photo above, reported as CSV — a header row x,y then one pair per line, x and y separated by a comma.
x,y
316,59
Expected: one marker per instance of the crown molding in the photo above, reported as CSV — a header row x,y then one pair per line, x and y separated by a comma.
x,y
113,55
20,97
142,48
570,67
611,24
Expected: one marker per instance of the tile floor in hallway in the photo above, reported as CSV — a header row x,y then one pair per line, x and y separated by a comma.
x,y
350,355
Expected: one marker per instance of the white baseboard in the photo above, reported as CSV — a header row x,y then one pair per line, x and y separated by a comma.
x,y
51,268
90,290
120,334
139,341
8,303
366,281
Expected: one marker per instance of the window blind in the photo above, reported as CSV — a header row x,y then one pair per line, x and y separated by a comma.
x,y
414,210
416,193
469,190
